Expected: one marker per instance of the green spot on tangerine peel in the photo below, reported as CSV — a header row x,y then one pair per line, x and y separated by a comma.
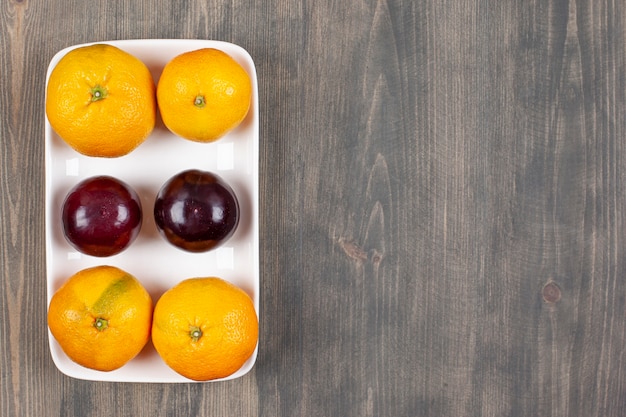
x,y
110,295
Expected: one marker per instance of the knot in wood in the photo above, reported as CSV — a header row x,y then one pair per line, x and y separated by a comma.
x,y
551,293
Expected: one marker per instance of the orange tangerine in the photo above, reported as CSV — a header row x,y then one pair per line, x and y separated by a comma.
x,y
101,317
203,94
101,100
205,328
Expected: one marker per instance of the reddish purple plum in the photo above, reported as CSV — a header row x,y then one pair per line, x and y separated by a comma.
x,y
101,216
196,211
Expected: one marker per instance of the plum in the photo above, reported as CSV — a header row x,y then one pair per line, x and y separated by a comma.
x,y
101,216
196,211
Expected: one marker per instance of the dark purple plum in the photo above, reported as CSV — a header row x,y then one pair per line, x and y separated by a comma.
x,y
196,211
101,216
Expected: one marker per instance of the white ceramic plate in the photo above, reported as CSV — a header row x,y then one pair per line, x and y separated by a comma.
x,y
155,262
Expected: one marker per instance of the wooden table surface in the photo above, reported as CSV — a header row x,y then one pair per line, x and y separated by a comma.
x,y
443,201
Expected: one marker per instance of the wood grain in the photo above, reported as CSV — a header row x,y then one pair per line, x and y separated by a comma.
x,y
442,202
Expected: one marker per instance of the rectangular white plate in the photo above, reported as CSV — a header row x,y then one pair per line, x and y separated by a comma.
x,y
156,263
